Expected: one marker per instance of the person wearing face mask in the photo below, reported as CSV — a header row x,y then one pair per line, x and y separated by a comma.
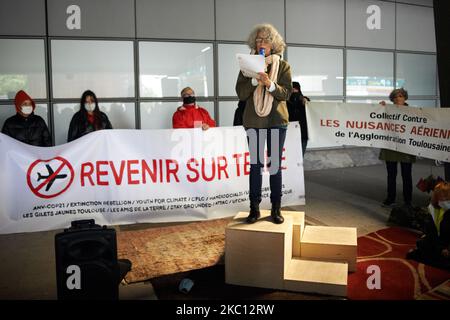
x,y
89,118
434,246
191,115
266,116
26,126
297,112
392,158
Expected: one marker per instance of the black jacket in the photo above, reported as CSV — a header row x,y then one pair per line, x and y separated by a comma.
x,y
30,130
79,126
297,112
239,113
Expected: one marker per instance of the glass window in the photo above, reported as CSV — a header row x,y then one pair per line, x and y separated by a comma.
x,y
229,68
362,29
366,100
422,103
121,116
105,67
369,73
417,73
411,103
167,67
7,111
22,67
409,35
319,71
166,19
327,100
328,14
235,18
226,113
419,2
158,115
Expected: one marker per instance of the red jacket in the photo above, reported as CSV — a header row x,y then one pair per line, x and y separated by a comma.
x,y
187,118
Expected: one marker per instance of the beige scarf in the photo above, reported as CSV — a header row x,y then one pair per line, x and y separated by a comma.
x,y
262,98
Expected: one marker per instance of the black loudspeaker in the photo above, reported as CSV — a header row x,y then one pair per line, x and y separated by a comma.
x,y
86,262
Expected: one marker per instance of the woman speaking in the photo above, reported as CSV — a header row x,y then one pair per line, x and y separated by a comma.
x,y
266,116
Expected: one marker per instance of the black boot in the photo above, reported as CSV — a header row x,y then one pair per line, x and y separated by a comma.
x,y
275,213
254,212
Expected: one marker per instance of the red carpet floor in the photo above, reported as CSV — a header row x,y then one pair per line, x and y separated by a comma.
x,y
194,250
401,279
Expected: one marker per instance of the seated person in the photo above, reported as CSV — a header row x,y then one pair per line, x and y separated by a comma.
x,y
434,247
190,115
25,126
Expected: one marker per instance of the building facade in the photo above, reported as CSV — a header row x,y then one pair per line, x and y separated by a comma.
x,y
137,55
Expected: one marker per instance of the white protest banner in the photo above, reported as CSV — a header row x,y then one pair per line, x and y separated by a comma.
x,y
423,132
131,176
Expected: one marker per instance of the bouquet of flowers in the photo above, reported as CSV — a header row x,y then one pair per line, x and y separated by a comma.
x,y
427,185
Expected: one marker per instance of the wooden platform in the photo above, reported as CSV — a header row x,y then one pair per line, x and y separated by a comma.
x,y
330,243
280,256
257,254
317,276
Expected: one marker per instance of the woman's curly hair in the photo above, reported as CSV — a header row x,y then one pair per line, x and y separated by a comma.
x,y
395,92
278,44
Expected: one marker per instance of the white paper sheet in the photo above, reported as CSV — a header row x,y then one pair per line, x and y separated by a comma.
x,y
251,64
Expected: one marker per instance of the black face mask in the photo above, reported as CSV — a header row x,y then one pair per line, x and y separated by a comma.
x,y
189,100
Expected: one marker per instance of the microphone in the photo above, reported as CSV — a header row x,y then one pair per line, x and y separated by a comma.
x,y
262,52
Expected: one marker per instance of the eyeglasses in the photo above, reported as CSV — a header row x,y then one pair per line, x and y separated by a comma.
x,y
399,96
263,40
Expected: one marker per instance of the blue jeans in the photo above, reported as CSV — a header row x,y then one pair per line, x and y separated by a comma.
x,y
257,138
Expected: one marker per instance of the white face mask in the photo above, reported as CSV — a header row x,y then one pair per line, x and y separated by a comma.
x,y
444,204
26,109
89,106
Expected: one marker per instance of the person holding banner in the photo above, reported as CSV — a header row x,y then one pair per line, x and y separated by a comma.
x,y
266,116
26,126
89,118
191,115
398,97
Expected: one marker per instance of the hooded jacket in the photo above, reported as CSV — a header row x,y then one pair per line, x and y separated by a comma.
x,y
31,130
